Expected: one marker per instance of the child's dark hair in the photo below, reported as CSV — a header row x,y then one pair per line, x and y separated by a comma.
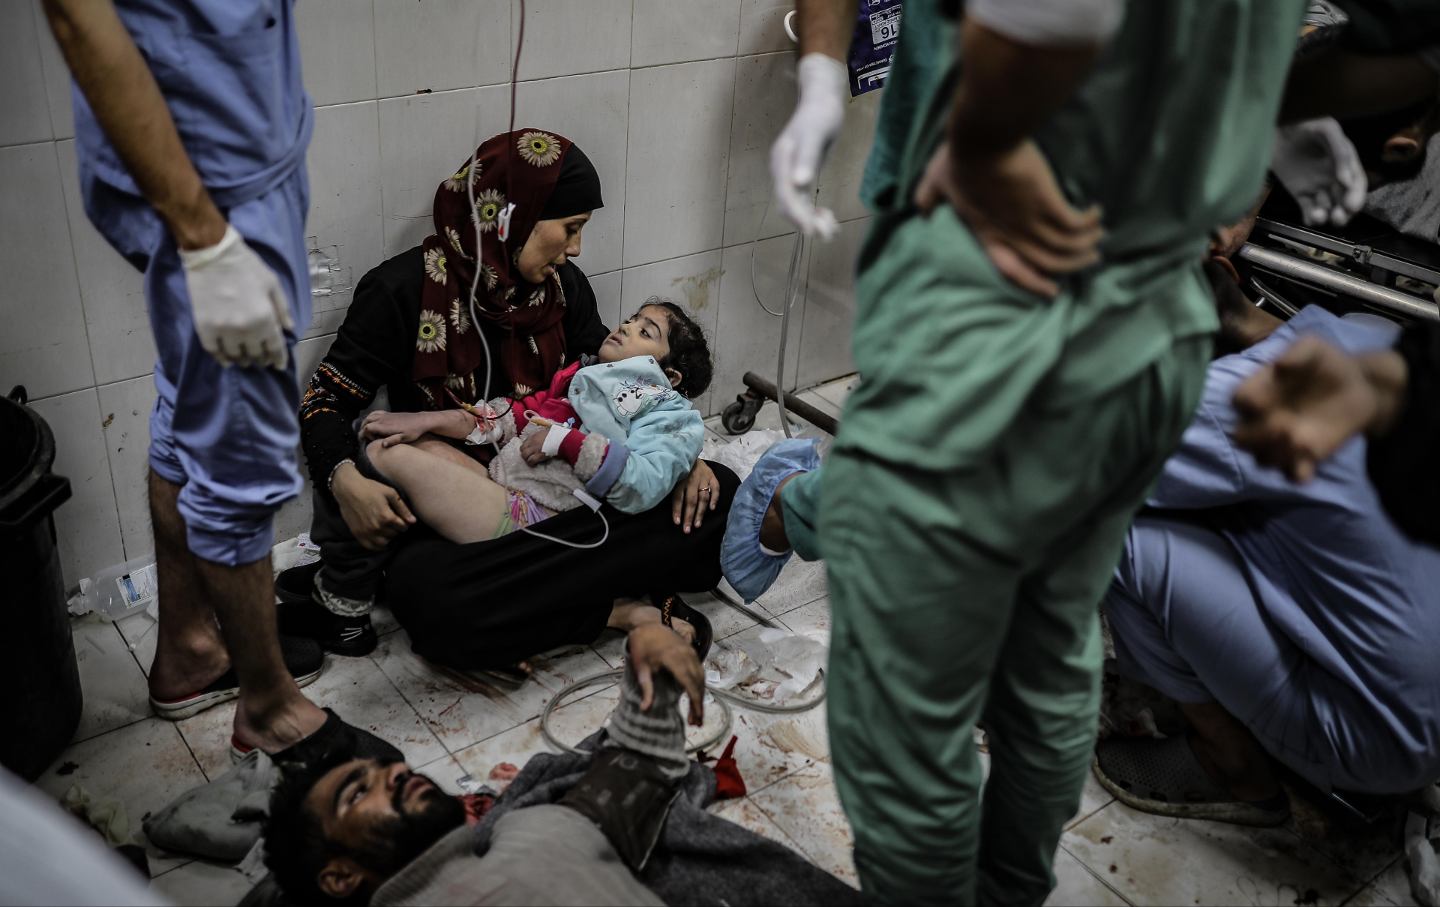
x,y
689,351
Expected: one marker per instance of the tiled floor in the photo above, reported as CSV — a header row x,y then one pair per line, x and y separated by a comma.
x,y
1109,854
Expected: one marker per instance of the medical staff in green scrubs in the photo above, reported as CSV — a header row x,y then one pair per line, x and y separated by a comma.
x,y
1023,378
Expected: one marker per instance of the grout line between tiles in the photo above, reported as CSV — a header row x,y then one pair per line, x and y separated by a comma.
x,y
1099,878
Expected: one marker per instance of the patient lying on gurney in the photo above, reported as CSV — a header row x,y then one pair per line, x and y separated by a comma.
x,y
621,824
1292,623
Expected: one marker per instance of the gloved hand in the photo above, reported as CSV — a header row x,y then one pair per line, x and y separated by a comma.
x,y
239,306
1321,169
797,154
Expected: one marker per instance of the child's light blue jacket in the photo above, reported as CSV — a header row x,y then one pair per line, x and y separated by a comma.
x,y
655,434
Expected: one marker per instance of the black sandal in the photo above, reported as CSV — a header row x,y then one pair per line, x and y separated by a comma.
x,y
672,607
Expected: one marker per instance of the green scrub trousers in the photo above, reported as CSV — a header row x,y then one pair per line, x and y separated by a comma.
x,y
998,444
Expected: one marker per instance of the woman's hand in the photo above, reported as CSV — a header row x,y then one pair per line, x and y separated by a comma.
x,y
374,512
692,497
397,428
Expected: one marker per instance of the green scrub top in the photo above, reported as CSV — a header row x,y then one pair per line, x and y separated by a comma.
x,y
1170,133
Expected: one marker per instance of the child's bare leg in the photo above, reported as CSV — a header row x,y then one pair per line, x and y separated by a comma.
x,y
442,448
460,504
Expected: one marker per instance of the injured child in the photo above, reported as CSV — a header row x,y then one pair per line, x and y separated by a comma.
x,y
1290,622
619,430
623,823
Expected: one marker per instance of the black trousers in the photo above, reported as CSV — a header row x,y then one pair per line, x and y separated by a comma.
x,y
491,604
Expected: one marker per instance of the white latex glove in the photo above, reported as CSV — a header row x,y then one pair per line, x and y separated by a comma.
x,y
239,306
797,154
1321,169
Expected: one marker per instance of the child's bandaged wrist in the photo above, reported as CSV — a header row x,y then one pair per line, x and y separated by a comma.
x,y
487,427
553,439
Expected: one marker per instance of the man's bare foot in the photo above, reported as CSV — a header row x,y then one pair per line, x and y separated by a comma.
x,y
630,613
183,667
278,728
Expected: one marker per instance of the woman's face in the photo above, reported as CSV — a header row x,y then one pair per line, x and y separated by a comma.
x,y
551,244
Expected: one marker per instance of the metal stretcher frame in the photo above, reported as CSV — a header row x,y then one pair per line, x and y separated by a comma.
x,y
1384,268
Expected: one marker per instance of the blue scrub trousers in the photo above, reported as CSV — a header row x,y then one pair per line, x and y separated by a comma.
x,y
1186,622
227,435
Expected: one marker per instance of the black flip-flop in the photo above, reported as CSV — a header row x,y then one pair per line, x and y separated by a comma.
x,y
1163,777
673,606
304,659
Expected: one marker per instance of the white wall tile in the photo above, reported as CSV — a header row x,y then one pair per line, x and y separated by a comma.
x,y
830,306
607,289
747,338
764,100
113,292
762,27
125,416
344,165
337,50
692,281
423,140
294,515
591,111
57,81
675,166
565,38
845,165
440,44
43,344
674,31
87,525
25,109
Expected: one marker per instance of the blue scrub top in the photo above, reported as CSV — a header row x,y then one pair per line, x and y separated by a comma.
x,y
230,74
1326,565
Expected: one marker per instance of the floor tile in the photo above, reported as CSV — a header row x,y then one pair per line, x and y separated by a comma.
x,y
838,391
572,723
820,402
356,689
202,883
1154,860
138,631
143,766
805,807
462,715
725,619
1075,886
445,772
800,583
810,620
113,684
1093,798
1392,886
772,747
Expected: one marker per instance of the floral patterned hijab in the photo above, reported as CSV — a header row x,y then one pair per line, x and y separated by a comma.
x,y
518,169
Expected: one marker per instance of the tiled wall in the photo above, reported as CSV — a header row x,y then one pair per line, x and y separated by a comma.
x,y
676,102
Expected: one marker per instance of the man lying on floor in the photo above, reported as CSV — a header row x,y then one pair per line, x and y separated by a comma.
x,y
622,824
1292,622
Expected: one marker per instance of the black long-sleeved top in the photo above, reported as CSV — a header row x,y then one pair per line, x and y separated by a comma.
x,y
1405,464
375,348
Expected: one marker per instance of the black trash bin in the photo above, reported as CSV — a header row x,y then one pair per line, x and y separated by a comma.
x,y
40,697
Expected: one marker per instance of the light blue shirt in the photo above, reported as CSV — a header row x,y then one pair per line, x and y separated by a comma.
x,y
230,74
1324,562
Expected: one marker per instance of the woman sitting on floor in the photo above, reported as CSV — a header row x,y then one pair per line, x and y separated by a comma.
x,y
409,329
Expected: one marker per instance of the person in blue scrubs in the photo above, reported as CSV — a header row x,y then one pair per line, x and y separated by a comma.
x,y
1290,622
191,125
